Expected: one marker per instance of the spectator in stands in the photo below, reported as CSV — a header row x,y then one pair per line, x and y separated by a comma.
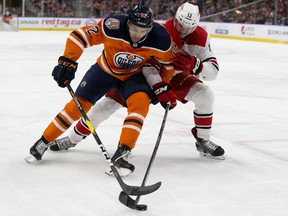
x,y
69,12
124,8
7,17
263,12
96,9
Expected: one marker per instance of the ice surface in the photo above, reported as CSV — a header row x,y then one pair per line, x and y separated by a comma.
x,y
250,123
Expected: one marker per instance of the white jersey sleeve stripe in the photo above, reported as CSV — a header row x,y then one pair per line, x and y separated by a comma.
x,y
76,42
84,37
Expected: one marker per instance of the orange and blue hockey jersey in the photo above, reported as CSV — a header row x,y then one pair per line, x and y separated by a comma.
x,y
121,57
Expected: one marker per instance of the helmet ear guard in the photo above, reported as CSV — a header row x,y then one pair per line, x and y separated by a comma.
x,y
188,15
141,16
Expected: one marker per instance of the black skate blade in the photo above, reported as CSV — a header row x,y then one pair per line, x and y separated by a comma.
x,y
142,190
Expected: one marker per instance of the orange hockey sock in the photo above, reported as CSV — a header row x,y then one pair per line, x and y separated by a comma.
x,y
138,107
65,119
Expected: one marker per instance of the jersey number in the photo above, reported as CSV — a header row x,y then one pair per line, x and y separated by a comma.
x,y
93,30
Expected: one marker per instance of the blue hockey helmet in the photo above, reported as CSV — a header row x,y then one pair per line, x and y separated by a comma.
x,y
141,16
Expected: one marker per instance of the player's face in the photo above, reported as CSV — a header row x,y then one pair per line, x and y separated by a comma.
x,y
136,32
183,31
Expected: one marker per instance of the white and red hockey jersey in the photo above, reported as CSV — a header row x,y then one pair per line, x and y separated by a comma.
x,y
198,44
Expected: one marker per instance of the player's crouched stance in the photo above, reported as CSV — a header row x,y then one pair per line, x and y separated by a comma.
x,y
193,90
129,43
107,106
194,61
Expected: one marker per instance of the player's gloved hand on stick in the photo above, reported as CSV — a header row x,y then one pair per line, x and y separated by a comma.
x,y
64,72
185,62
165,94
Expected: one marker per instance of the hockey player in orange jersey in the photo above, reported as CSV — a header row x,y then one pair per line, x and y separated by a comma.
x,y
129,41
195,61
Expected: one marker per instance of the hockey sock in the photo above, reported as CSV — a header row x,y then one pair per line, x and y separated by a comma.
x,y
65,119
203,124
138,107
81,131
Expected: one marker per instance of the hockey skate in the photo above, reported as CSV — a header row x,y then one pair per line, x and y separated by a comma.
x,y
208,148
120,160
37,150
62,144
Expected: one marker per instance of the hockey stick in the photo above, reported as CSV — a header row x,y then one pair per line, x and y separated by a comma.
x,y
123,197
131,190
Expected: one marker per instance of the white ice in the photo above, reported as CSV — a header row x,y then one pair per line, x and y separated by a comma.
x,y
250,123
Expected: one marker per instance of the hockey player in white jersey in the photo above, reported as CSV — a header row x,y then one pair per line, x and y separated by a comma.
x,y
194,62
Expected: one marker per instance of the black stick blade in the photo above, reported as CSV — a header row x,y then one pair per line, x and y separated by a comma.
x,y
142,190
127,201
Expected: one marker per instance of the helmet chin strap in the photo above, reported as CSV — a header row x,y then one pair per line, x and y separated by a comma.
x,y
145,36
135,44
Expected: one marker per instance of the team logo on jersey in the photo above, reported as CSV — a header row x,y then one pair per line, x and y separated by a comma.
x,y
83,84
127,60
112,23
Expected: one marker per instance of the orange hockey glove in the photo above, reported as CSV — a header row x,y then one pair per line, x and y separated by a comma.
x,y
185,62
64,72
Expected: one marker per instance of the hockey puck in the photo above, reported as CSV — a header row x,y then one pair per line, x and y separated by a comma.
x,y
141,207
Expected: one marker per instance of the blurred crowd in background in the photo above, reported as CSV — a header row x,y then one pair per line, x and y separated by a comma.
x,y
236,11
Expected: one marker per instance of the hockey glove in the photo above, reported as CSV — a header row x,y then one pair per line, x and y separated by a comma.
x,y
64,72
165,95
185,62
